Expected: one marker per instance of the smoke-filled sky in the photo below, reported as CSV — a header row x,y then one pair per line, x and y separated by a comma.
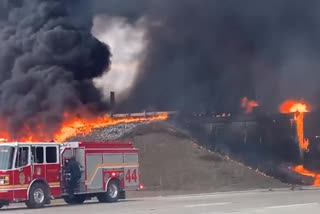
x,y
188,54
207,54
126,41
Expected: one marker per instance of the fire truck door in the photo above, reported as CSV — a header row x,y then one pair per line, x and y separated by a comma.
x,y
37,160
52,165
22,174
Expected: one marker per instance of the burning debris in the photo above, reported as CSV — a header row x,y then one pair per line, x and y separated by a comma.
x,y
108,133
77,126
303,171
248,105
298,108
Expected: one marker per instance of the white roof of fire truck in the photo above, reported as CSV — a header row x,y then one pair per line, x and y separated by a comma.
x,y
108,144
27,143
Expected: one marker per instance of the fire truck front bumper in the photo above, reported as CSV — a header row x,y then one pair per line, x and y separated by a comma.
x,y
4,203
5,196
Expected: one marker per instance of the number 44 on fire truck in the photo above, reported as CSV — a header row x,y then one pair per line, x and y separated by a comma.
x,y
35,173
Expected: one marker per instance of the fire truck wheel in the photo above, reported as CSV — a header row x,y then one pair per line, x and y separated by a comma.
x,y
76,199
112,194
37,196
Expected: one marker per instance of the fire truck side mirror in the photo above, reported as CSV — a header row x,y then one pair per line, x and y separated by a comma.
x,y
32,159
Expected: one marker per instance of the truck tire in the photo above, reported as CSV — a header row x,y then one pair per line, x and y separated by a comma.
x,y
112,194
76,199
37,196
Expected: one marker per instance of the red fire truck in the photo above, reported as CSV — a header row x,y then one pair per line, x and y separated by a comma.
x,y
35,173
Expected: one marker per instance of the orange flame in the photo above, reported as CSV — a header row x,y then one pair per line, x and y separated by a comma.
x,y
300,169
248,105
74,125
298,108
78,126
292,106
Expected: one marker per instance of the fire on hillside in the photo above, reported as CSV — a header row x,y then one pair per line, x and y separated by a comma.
x,y
76,125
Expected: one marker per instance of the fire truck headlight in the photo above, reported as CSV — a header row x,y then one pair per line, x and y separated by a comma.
x,y
4,179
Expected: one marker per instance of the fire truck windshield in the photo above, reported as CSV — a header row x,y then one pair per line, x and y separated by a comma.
x,y
6,157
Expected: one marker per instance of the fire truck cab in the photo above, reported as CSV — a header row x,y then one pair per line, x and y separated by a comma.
x,y
35,173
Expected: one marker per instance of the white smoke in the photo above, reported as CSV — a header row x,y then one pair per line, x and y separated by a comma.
x,y
127,44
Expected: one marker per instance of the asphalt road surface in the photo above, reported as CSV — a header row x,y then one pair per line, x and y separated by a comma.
x,y
258,201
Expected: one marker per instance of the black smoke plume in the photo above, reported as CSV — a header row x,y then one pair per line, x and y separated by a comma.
x,y
208,54
48,59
